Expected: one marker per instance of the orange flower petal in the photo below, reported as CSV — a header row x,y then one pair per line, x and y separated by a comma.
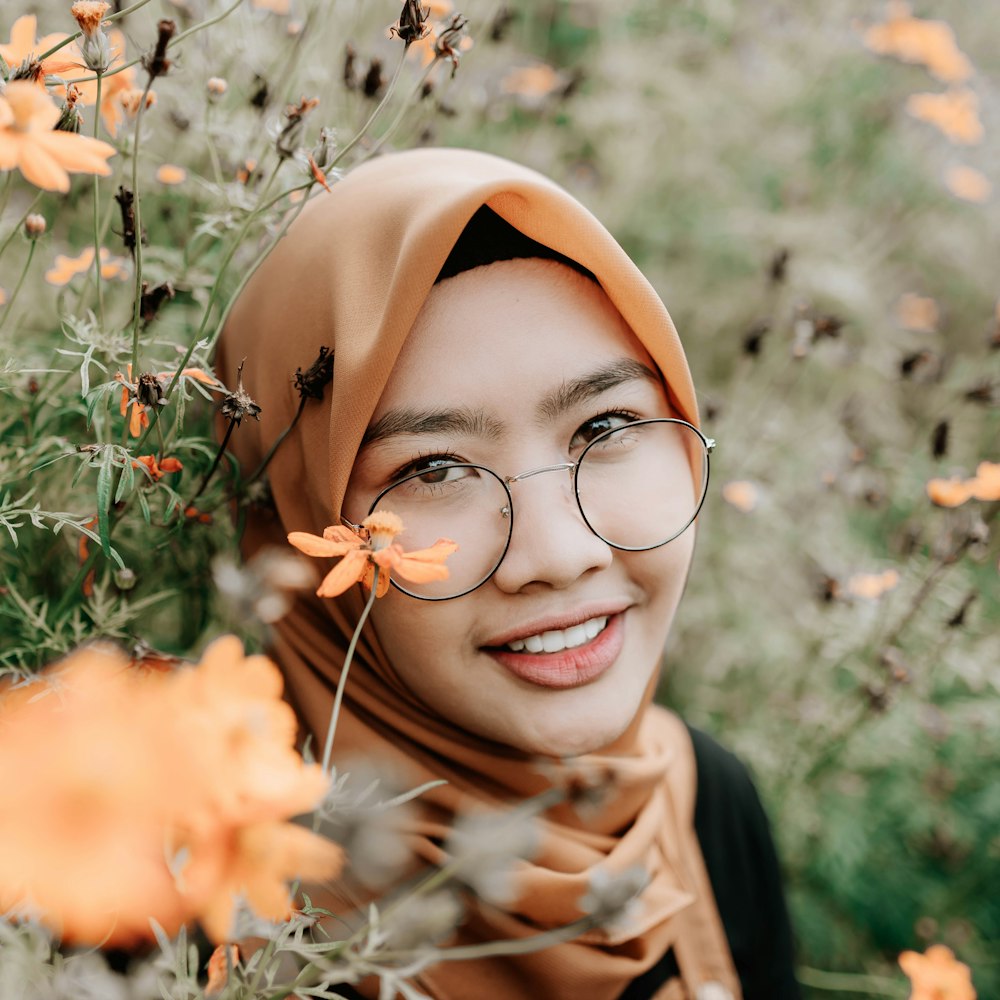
x,y
313,545
986,485
338,533
349,570
223,959
425,565
948,492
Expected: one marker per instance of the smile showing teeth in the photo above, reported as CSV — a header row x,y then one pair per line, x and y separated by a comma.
x,y
560,639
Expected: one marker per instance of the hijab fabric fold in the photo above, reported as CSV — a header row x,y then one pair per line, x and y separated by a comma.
x,y
351,275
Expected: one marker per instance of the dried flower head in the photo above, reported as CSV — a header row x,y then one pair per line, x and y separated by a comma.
x,y
237,404
156,63
412,23
310,383
612,899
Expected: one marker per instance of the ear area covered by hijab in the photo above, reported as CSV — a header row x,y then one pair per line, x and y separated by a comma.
x,y
351,275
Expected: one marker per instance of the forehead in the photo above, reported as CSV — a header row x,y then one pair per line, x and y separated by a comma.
x,y
499,334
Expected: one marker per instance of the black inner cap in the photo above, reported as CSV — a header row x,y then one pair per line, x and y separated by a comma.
x,y
487,238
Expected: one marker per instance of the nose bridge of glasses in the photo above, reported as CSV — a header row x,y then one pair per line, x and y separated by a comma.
x,y
560,467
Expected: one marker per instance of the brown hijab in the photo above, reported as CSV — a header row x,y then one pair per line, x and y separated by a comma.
x,y
352,274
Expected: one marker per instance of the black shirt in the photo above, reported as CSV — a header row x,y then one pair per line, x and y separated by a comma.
x,y
739,854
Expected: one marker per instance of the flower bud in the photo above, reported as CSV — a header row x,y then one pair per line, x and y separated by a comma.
x,y
96,48
217,86
125,579
34,226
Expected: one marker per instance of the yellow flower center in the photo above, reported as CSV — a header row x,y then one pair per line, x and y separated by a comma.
x,y
382,526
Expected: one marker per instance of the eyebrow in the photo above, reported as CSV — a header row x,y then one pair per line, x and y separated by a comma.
x,y
461,420
478,423
575,391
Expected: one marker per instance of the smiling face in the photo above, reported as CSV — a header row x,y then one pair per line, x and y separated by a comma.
x,y
517,366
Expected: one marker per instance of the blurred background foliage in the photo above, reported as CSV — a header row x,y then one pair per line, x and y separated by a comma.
x,y
838,301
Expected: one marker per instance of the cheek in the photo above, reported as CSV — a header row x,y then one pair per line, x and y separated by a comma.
x,y
417,637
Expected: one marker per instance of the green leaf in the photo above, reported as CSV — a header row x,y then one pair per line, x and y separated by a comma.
x,y
104,477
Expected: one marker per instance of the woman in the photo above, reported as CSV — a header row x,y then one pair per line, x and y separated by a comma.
x,y
504,376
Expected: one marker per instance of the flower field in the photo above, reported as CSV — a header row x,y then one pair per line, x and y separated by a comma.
x,y
812,189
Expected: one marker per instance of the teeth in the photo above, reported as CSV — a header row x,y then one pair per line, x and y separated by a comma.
x,y
557,640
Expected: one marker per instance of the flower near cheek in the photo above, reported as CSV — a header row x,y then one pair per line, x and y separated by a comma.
x,y
370,546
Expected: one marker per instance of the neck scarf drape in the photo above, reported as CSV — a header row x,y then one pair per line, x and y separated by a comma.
x,y
352,274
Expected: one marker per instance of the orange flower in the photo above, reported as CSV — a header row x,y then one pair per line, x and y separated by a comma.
x,y
222,960
157,470
937,975
913,40
370,546
27,141
917,312
871,586
168,173
531,81
740,494
275,6
148,391
66,268
23,47
986,484
154,795
948,492
955,113
967,183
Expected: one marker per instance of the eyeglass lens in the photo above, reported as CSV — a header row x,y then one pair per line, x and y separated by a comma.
x,y
637,487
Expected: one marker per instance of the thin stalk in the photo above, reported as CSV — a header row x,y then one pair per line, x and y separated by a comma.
x,y
97,212
9,308
274,447
218,458
8,183
403,110
208,22
342,680
72,38
20,222
137,215
845,982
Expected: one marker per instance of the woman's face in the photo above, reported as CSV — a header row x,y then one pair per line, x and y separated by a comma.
x,y
516,366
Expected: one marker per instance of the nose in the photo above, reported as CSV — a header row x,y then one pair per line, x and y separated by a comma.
x,y
550,544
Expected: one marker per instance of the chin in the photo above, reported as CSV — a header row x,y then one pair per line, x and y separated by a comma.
x,y
570,740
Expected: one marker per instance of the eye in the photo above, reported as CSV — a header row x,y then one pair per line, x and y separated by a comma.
x,y
431,470
598,425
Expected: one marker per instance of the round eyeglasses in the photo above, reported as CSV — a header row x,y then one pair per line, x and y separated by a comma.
x,y
637,487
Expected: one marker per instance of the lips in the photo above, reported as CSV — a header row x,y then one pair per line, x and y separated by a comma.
x,y
571,666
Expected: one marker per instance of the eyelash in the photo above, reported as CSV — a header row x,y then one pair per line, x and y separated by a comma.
x,y
422,461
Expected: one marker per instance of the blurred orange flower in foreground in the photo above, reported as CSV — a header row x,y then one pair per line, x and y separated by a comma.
x,y
937,975
955,113
131,794
28,142
914,40
741,494
917,312
871,586
984,485
370,546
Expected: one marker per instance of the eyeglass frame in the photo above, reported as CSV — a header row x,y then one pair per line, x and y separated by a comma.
x,y
508,510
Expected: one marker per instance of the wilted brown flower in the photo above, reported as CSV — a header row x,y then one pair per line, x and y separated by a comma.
x,y
311,382
412,23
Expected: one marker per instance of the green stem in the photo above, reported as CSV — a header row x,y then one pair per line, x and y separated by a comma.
x,y
274,447
20,222
342,680
97,212
9,308
378,110
8,183
137,216
844,982
218,458
72,38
